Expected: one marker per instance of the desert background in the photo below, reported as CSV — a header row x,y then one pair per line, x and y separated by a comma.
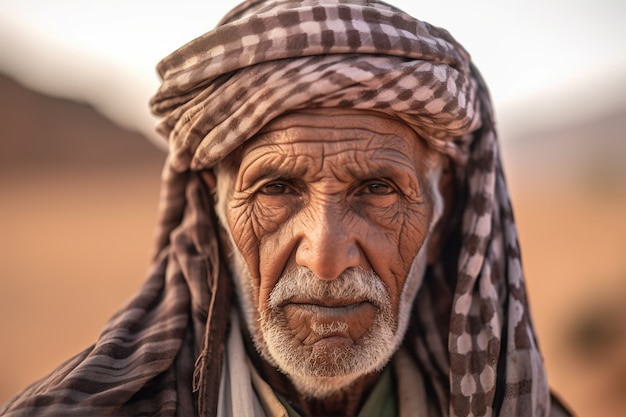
x,y
79,192
78,198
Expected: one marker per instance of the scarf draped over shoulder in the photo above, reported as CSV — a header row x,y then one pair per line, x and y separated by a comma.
x,y
471,332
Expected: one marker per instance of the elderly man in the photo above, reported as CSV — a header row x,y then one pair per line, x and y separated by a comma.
x,y
335,235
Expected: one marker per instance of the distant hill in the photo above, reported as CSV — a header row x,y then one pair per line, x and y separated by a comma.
x,y
37,129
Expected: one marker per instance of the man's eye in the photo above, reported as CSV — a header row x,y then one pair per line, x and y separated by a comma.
x,y
275,188
378,188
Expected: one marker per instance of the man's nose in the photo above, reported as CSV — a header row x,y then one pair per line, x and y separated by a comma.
x,y
327,247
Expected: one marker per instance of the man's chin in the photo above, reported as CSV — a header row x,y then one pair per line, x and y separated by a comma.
x,y
321,387
332,363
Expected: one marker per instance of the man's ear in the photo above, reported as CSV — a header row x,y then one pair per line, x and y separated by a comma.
x,y
441,229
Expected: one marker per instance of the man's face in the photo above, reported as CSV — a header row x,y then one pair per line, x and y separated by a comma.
x,y
328,215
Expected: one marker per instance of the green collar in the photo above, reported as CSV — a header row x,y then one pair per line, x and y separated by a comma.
x,y
382,401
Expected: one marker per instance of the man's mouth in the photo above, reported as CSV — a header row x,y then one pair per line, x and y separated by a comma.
x,y
315,320
326,302
327,309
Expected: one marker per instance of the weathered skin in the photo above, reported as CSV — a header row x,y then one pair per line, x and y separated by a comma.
x,y
331,193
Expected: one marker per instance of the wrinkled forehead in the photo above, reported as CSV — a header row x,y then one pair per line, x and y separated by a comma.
x,y
338,118
331,134
334,126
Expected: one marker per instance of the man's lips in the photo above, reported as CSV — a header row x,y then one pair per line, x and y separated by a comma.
x,y
324,310
325,302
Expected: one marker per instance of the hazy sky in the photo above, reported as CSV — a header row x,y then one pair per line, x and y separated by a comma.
x,y
552,58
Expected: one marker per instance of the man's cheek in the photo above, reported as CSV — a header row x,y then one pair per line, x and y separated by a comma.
x,y
412,234
244,236
266,219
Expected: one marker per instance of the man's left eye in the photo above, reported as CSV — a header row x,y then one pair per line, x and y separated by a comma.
x,y
378,188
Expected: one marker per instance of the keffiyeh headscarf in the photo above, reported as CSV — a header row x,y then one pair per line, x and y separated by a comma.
x,y
471,332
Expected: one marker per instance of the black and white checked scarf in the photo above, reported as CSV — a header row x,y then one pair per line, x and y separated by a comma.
x,y
471,333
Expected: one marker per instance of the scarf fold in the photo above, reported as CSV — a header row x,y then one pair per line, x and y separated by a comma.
x,y
471,331
224,86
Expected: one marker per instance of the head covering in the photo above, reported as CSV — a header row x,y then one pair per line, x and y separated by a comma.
x,y
471,332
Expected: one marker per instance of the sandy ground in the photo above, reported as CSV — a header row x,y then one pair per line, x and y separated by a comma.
x,y
76,234
573,251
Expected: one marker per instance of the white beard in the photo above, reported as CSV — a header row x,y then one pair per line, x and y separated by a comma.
x,y
342,366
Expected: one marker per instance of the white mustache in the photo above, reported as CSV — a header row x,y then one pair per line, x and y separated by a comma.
x,y
352,284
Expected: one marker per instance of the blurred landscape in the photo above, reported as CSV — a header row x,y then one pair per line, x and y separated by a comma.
x,y
78,200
